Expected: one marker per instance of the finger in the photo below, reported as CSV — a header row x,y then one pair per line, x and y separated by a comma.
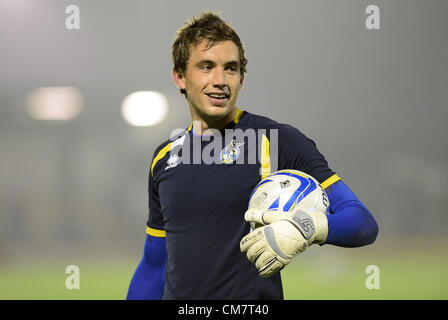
x,y
268,263
264,217
268,217
263,260
254,215
271,268
256,250
250,239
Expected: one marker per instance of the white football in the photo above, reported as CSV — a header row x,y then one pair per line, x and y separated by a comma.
x,y
283,190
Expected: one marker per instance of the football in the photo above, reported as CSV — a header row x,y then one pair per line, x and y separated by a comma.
x,y
283,190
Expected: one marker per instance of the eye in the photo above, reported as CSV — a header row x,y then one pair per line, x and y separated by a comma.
x,y
206,67
232,69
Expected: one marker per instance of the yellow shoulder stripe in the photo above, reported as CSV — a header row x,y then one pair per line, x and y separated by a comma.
x,y
265,157
238,115
160,155
156,232
334,178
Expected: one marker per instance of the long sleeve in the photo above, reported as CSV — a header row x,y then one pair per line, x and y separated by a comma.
x,y
149,278
350,223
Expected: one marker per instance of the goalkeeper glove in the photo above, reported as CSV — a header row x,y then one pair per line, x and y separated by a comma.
x,y
283,236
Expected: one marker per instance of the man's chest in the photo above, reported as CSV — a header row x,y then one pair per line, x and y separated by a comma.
x,y
213,192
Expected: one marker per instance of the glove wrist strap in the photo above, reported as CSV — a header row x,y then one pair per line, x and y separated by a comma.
x,y
312,225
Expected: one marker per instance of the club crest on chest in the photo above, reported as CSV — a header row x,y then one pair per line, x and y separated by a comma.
x,y
231,152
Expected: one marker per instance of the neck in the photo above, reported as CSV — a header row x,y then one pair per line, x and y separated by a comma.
x,y
206,124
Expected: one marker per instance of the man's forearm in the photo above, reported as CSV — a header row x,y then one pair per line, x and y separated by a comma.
x,y
149,278
351,224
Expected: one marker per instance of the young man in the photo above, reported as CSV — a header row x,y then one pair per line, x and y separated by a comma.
x,y
198,243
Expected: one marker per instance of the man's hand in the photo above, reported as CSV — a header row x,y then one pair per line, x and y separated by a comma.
x,y
283,236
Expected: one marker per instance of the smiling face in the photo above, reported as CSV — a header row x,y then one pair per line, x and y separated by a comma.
x,y
212,80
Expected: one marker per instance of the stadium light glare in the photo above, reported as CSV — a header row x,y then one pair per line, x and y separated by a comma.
x,y
144,108
54,103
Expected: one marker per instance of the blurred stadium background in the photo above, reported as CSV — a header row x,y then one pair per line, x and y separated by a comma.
x,y
73,173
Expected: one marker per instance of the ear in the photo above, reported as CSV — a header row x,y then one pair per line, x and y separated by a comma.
x,y
241,82
179,79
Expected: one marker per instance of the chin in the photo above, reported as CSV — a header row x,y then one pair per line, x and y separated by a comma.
x,y
217,112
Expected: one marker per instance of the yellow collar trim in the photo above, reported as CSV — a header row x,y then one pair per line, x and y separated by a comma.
x,y
236,118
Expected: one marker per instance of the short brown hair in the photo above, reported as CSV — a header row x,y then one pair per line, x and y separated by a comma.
x,y
209,26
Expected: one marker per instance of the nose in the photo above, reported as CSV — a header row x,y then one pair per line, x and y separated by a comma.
x,y
219,78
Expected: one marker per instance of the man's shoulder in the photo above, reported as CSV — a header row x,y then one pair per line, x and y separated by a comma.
x,y
163,149
164,145
176,137
256,121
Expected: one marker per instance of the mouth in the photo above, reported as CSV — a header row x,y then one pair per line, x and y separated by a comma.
x,y
218,99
